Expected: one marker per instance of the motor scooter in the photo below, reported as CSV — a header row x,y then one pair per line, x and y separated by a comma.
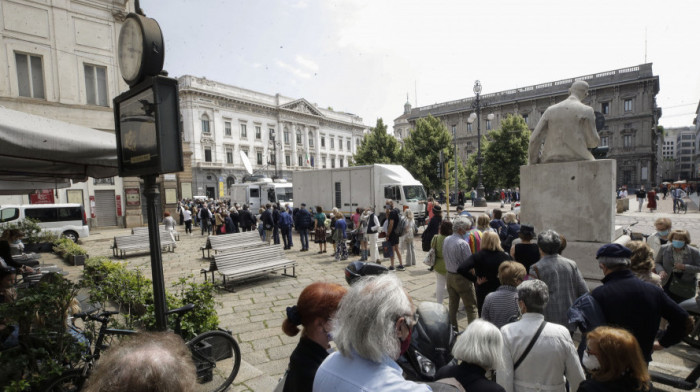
x,y
432,338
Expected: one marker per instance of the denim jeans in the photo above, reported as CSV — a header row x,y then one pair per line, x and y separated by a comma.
x,y
304,238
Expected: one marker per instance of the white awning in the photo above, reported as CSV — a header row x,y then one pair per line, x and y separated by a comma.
x,y
43,152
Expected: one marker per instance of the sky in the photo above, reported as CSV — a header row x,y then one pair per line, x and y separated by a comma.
x,y
367,56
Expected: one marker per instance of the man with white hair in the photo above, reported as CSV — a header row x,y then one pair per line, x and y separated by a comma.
x,y
456,252
371,329
631,303
537,354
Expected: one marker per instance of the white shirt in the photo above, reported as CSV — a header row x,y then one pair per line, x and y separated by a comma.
x,y
551,358
187,215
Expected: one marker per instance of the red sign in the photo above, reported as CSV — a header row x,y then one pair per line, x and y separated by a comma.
x,y
42,196
92,207
133,196
119,205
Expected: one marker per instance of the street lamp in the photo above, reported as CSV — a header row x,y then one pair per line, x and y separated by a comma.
x,y
273,155
477,105
454,136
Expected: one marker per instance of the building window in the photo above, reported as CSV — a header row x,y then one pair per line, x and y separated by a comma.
x,y
311,139
628,105
207,154
205,123
259,157
323,141
340,144
358,143
332,143
605,107
286,137
323,162
348,144
469,127
488,125
227,128
298,136
604,141
341,162
273,158
332,162
244,131
628,141
525,118
229,156
245,151
96,85
288,160
271,133
30,75
301,160
258,132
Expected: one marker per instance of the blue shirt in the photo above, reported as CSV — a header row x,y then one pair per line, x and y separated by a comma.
x,y
342,374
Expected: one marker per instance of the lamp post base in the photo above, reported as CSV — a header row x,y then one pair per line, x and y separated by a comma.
x,y
480,199
480,202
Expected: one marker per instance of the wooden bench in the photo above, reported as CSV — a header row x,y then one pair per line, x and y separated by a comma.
x,y
140,242
249,263
224,242
144,230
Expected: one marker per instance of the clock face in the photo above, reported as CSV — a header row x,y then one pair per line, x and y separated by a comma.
x,y
130,50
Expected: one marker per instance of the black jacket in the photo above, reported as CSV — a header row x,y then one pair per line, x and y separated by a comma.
x,y
247,219
631,303
303,364
472,377
430,232
624,384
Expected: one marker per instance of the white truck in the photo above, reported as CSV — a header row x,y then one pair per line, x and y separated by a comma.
x,y
261,192
348,188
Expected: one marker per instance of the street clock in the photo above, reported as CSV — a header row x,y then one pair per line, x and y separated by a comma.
x,y
141,51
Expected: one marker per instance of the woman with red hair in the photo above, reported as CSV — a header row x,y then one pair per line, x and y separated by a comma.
x,y
615,361
315,307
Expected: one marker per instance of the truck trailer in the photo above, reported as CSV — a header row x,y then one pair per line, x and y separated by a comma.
x,y
348,188
259,193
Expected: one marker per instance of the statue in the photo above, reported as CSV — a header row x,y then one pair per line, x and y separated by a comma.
x,y
567,129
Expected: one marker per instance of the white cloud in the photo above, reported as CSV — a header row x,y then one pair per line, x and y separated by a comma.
x,y
306,63
294,70
301,4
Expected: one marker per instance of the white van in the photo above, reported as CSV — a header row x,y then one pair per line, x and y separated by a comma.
x,y
67,220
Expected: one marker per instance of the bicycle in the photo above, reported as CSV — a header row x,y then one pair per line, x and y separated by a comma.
x,y
216,355
680,206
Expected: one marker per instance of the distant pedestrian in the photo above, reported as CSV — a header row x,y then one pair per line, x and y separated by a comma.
x,y
188,220
641,196
285,224
651,200
303,223
320,229
407,238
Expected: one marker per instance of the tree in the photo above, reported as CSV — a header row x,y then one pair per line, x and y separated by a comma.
x,y
504,150
421,152
377,147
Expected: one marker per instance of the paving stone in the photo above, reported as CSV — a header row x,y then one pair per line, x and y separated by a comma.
x,y
262,344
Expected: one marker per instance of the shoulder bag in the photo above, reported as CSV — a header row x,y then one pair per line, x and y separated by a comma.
x,y
430,257
682,288
529,346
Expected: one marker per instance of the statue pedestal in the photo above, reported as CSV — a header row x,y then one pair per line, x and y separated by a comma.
x,y
576,199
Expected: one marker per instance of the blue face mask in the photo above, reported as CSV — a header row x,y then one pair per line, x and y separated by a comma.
x,y
663,233
678,244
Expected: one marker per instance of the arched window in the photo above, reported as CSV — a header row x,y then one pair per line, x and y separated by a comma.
x,y
298,136
311,139
205,123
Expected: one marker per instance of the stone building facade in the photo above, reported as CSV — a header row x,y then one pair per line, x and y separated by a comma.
x,y
626,97
277,134
679,158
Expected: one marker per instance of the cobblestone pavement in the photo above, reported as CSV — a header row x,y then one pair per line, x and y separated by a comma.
x,y
255,311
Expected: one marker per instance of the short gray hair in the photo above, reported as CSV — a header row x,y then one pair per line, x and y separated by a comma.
x,y
461,223
549,241
611,262
534,294
367,315
481,344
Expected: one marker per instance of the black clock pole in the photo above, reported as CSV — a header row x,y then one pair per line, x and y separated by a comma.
x,y
151,191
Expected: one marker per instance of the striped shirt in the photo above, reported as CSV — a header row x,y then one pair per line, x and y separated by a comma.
x,y
501,305
455,250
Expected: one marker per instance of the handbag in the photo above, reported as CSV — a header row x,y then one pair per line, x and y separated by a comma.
x,y
388,249
430,258
682,288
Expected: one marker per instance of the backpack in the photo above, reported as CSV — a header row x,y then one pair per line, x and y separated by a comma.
x,y
400,228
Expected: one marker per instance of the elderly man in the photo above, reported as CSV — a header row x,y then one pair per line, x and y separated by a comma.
x,y
629,302
456,252
561,276
371,329
567,130
552,356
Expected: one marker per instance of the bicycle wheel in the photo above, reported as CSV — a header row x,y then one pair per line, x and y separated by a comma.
x,y
70,381
217,358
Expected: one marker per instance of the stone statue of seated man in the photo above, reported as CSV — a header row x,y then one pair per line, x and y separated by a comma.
x,y
566,130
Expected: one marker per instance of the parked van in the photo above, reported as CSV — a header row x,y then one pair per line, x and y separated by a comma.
x,y
66,220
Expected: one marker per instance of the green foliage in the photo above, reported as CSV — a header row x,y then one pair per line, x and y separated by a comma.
x,y
66,247
421,152
377,147
504,150
31,231
40,312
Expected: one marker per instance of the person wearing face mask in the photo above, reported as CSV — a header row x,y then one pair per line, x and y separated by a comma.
x,y
678,263
372,328
537,354
631,303
315,307
615,362
660,237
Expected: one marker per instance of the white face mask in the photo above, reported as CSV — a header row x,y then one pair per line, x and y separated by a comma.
x,y
590,362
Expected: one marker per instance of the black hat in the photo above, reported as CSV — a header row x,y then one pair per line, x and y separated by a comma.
x,y
437,209
527,229
613,250
303,204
